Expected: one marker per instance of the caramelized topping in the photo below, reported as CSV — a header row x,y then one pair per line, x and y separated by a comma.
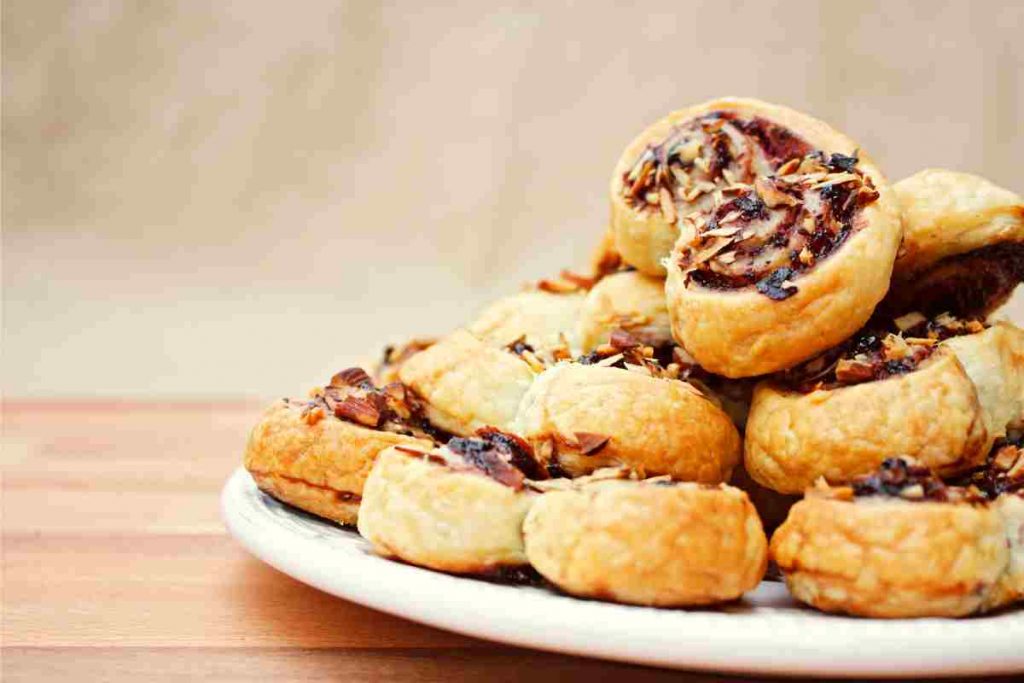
x,y
899,478
878,353
627,351
352,396
1003,471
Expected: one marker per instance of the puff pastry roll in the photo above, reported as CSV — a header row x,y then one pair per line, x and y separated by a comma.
x,y
653,542
315,454
780,235
620,406
939,391
458,508
963,246
901,543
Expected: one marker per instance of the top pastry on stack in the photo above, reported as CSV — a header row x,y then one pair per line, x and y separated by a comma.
x,y
752,250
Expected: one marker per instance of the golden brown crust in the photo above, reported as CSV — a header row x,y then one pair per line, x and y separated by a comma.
x,y
1010,586
541,317
890,558
319,467
467,384
630,301
932,414
946,213
742,332
599,541
994,360
431,515
659,426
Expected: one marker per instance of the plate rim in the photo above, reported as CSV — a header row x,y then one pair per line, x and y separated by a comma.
x,y
763,643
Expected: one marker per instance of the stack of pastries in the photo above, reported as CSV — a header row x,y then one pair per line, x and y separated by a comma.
x,y
764,309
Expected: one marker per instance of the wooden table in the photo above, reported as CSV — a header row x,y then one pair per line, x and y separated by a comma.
x,y
116,567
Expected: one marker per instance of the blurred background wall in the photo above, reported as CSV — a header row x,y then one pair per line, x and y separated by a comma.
x,y
234,198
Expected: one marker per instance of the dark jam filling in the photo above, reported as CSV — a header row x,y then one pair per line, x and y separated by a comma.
x,y
877,353
971,284
352,396
502,456
768,234
900,479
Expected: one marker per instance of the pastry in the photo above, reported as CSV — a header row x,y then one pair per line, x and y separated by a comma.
x,y
620,406
540,317
457,508
394,356
901,543
315,454
784,234
963,245
655,542
926,391
467,384
628,300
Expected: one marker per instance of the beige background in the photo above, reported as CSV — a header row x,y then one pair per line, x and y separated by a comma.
x,y
232,198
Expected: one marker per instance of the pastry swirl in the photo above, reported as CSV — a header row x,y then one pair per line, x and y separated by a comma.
x,y
620,405
784,234
901,543
879,393
458,508
963,247
315,454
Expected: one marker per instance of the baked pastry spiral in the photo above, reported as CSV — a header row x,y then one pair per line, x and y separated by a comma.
x,y
467,384
963,246
620,406
901,543
315,454
939,390
653,542
782,235
458,508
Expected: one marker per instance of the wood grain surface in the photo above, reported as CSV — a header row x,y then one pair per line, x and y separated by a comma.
x,y
116,567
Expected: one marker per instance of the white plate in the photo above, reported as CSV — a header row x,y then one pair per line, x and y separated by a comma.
x,y
765,633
